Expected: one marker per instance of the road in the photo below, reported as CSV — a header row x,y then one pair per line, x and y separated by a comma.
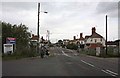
x,y
62,62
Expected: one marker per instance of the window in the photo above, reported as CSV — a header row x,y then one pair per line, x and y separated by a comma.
x,y
87,44
91,40
101,39
95,40
81,42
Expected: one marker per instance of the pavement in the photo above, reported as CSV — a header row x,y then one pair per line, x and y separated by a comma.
x,y
61,62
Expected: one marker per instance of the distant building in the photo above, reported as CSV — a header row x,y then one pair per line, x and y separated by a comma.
x,y
94,40
34,37
81,41
66,41
117,42
111,44
34,40
90,41
74,41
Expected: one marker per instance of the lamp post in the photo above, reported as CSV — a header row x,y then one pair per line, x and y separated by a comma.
x,y
39,19
106,34
39,25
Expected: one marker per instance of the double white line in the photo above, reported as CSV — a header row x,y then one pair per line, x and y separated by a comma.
x,y
110,72
106,71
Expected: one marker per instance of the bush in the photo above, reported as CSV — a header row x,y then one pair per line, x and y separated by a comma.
x,y
26,52
72,46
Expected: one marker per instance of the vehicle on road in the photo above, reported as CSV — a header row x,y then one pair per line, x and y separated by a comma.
x,y
44,51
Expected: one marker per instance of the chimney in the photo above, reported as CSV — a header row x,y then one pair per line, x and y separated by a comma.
x,y
74,37
32,35
93,30
81,35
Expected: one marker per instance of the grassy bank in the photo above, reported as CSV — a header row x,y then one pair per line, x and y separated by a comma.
x,y
18,54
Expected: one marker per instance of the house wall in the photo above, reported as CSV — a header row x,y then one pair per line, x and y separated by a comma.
x,y
98,40
65,42
82,42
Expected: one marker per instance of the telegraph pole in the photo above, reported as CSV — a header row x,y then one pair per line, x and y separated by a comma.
x,y
38,28
106,34
38,20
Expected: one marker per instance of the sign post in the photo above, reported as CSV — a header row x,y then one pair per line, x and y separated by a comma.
x,y
10,40
8,48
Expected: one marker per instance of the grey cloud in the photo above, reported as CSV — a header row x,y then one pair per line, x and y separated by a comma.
x,y
107,8
18,6
63,12
62,17
62,7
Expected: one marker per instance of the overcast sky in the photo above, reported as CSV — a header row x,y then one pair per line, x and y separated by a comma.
x,y
64,19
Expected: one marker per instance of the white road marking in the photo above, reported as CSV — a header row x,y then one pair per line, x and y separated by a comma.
x,y
87,63
112,72
65,54
108,73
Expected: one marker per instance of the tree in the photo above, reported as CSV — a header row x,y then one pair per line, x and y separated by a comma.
x,y
60,42
16,31
72,46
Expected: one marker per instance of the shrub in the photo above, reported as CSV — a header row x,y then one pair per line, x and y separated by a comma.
x,y
72,46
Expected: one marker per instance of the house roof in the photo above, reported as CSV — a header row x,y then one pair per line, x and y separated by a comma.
x,y
96,35
34,38
72,41
117,40
86,37
111,43
66,40
81,38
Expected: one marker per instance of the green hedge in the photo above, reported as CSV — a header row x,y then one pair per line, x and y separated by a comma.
x,y
20,53
72,46
91,52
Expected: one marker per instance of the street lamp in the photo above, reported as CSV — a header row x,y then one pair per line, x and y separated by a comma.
x,y
39,19
44,12
38,23
106,34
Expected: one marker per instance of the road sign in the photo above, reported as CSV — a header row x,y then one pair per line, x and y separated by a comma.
x,y
8,48
11,40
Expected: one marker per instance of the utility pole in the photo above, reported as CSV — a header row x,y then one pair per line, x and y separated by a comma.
x,y
38,20
38,28
106,34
